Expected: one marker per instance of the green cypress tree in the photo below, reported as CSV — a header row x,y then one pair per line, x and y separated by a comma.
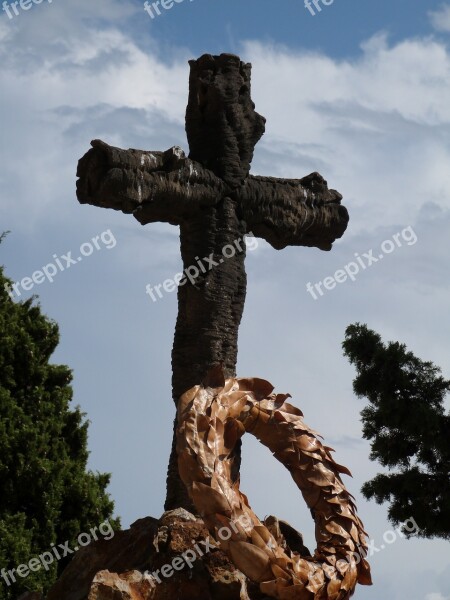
x,y
409,430
47,496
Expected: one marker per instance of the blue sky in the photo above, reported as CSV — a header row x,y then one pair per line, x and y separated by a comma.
x,y
338,30
359,92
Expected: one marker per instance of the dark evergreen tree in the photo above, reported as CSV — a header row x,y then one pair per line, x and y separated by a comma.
x,y
408,429
46,494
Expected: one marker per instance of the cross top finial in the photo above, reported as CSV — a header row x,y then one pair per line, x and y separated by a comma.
x,y
222,125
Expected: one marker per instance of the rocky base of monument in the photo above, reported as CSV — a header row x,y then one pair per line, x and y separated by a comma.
x,y
166,559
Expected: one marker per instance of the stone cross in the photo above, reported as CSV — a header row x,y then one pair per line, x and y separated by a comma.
x,y
215,202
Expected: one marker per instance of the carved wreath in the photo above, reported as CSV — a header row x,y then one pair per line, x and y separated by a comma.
x,y
211,419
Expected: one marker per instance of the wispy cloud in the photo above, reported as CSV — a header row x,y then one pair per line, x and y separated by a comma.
x,y
440,19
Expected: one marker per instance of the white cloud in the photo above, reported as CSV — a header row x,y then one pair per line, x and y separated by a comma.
x,y
63,93
376,127
440,19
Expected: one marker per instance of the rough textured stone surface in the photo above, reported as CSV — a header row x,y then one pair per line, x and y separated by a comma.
x,y
126,551
128,586
121,568
222,126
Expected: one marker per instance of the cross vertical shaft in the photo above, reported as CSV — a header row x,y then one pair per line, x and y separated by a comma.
x,y
209,313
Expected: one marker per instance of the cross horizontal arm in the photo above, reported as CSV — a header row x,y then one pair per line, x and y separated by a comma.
x,y
153,186
167,186
293,212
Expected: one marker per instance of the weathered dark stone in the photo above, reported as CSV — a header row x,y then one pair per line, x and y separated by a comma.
x,y
126,567
222,126
127,551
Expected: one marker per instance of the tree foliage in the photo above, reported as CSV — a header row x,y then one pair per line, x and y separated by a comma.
x,y
408,429
46,494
